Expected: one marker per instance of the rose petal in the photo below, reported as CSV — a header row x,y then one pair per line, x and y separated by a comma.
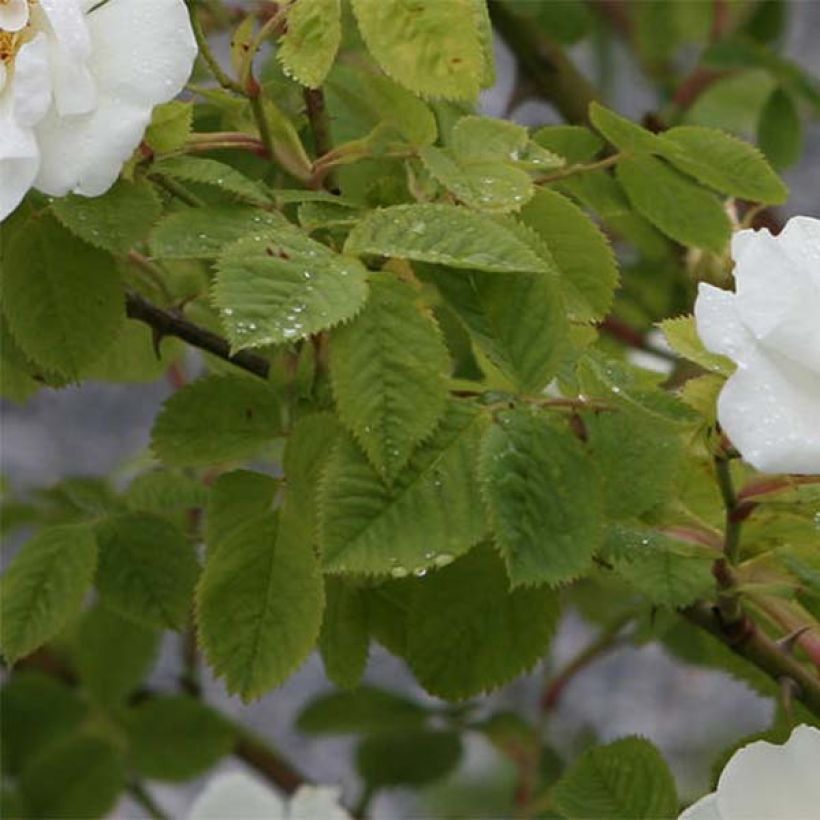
x,y
704,809
770,408
142,54
719,325
19,161
237,797
32,85
801,240
14,15
768,781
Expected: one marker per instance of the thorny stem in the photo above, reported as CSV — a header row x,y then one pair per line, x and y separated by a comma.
x,y
731,542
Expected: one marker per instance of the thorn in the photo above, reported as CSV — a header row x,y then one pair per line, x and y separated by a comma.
x,y
156,339
787,642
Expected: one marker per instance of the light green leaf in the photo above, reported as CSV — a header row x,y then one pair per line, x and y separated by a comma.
x,y
37,710
115,221
389,370
484,185
637,458
345,638
434,49
218,418
583,256
112,655
724,163
45,586
430,513
62,298
259,603
467,633
78,776
674,204
285,287
667,572
518,320
445,235
176,737
202,233
575,143
235,498
485,35
483,139
361,711
407,758
682,335
624,780
624,133
213,174
147,569
544,499
309,46
165,491
170,126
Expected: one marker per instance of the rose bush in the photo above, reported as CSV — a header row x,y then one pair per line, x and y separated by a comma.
x,y
767,780
770,406
78,82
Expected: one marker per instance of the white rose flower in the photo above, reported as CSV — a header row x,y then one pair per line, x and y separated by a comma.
x,y
78,82
768,782
770,407
238,796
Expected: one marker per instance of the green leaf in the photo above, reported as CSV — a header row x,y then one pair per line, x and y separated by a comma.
x,y
431,512
575,143
170,126
164,491
361,711
445,235
637,458
115,221
467,633
670,201
544,499
309,46
215,419
485,36
147,569
724,163
235,498
37,710
407,758
483,139
213,174
780,130
389,367
45,586
62,298
259,603
624,780
682,335
624,133
176,737
434,49
495,187
202,233
518,320
345,637
75,777
583,256
669,573
112,655
285,287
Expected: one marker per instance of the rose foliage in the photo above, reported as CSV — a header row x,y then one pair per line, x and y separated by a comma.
x,y
435,379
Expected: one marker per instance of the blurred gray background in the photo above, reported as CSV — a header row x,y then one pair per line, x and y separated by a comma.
x,y
98,427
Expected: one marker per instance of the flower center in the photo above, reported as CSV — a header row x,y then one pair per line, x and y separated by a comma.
x,y
12,41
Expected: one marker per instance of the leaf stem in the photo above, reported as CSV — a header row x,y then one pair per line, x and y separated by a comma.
x,y
581,168
221,76
142,796
175,189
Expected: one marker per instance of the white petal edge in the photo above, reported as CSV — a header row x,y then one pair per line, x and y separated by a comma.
x,y
801,239
237,796
769,408
19,161
704,809
774,782
718,323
